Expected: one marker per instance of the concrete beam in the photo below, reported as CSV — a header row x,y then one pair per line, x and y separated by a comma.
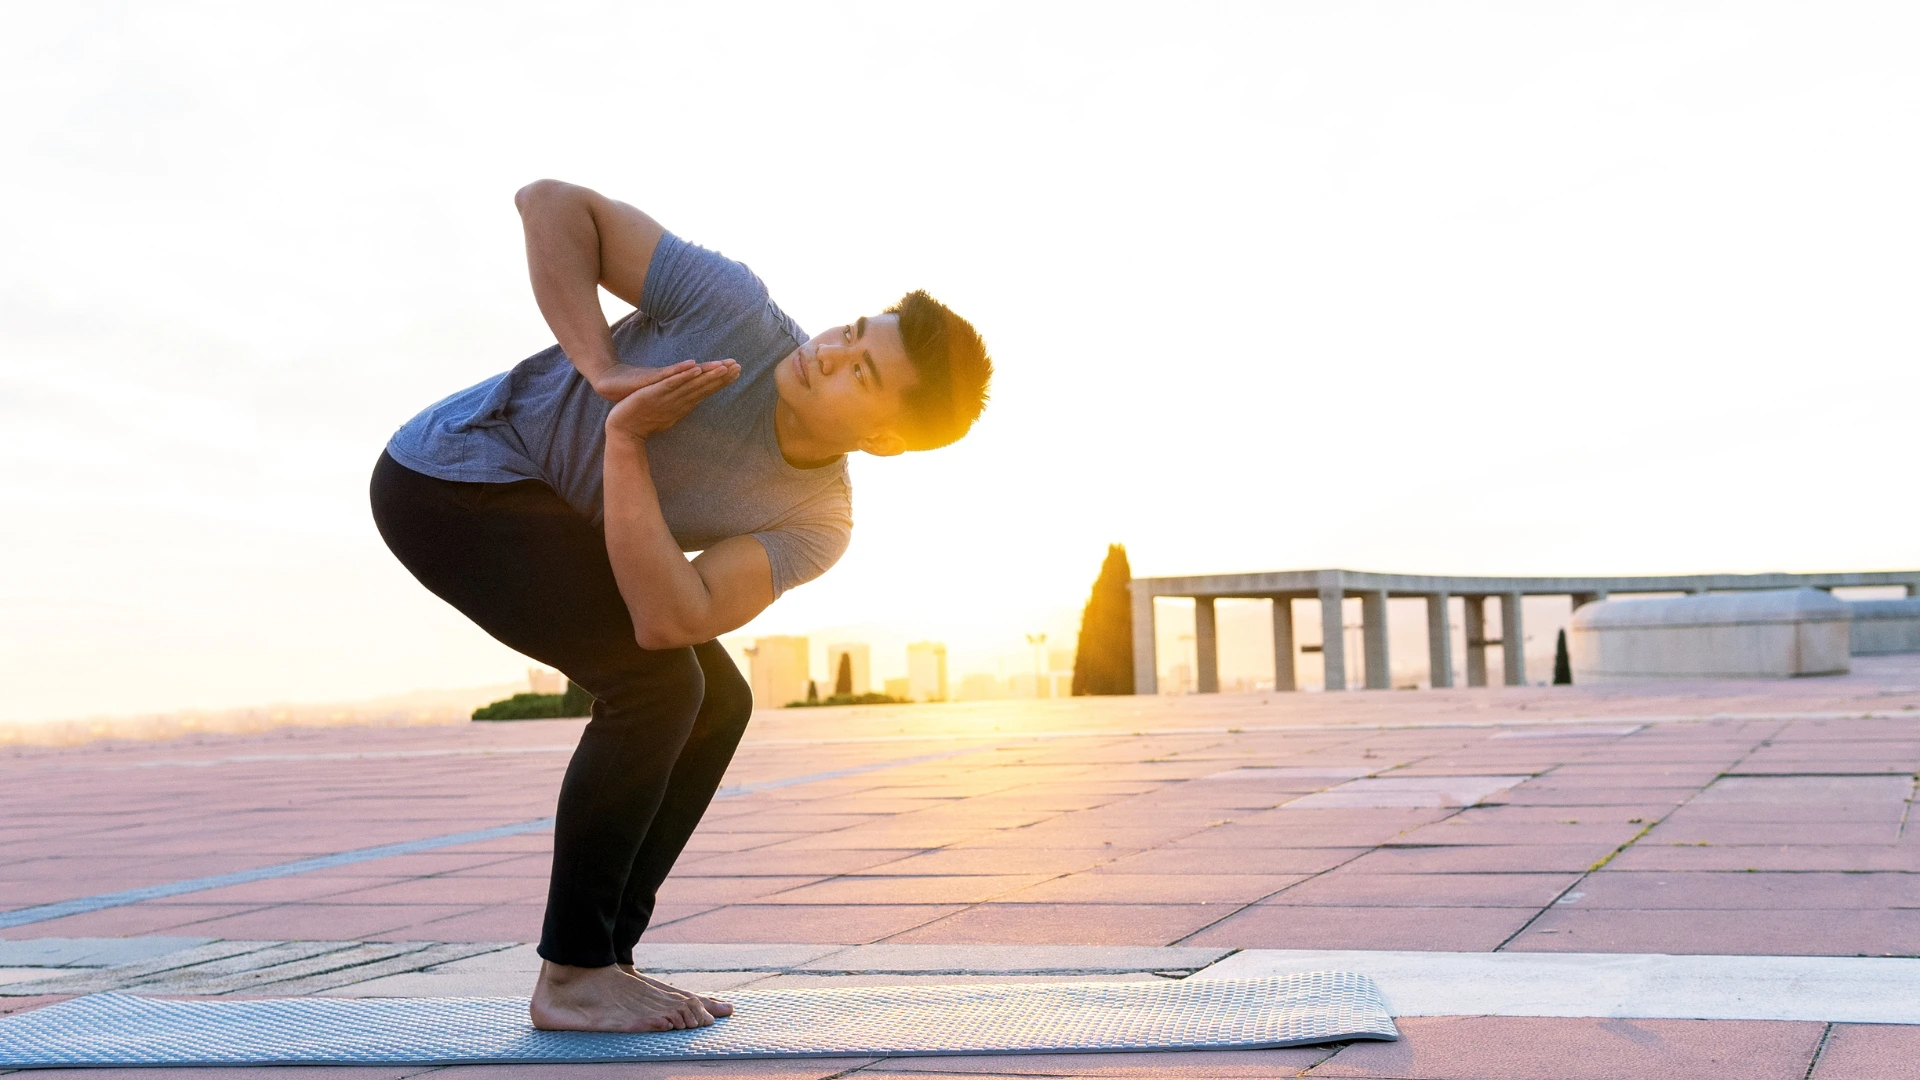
x,y
1513,640
1206,647
1146,671
1333,639
1283,643
1310,582
1475,623
1373,634
1439,642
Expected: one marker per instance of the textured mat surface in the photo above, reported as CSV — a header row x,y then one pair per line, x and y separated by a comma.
x,y
1291,1010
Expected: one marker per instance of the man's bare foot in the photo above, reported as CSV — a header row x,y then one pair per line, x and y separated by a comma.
x,y
713,1005
609,999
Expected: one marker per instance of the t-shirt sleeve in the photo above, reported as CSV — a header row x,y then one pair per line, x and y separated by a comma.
x,y
689,286
810,541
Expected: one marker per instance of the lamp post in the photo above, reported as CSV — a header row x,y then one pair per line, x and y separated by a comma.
x,y
1039,643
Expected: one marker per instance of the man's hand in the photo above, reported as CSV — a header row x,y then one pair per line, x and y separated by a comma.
x,y
618,380
658,403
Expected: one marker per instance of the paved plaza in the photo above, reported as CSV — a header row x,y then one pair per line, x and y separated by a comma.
x,y
1466,842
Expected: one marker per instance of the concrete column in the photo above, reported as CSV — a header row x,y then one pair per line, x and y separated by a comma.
x,y
1913,589
1513,640
1283,643
1146,672
1206,649
1373,635
1333,639
1476,626
1439,643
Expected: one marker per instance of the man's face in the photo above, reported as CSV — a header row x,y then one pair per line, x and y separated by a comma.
x,y
845,386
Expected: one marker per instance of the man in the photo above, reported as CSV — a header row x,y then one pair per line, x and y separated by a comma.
x,y
553,505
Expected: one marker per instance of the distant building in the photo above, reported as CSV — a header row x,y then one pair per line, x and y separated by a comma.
x,y
545,681
778,670
898,688
927,671
859,655
980,686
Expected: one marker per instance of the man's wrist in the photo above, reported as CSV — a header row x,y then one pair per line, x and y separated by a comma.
x,y
627,437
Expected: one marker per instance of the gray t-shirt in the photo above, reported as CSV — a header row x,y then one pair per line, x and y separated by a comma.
x,y
718,471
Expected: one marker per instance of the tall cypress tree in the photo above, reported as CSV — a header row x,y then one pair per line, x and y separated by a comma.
x,y
1562,665
843,682
1103,662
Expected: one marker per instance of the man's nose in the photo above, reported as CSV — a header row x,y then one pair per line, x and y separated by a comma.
x,y
829,358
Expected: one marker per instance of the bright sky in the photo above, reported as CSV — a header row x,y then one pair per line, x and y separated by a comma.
x,y
1425,287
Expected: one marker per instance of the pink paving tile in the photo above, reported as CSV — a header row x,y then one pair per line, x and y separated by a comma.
x,y
1274,926
1132,839
1802,857
1066,924
1726,834
1102,888
1000,861
739,841
1639,889
669,913
857,924
502,922
1776,933
1180,861
322,922
776,863
1342,888
1476,859
1868,1052
449,890
138,919
1535,1048
944,889
876,839
727,890
1611,834
298,887
1249,838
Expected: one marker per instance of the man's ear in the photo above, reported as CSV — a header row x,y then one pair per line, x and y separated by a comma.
x,y
886,444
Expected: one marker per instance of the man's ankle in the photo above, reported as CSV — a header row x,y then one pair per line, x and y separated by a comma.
x,y
560,974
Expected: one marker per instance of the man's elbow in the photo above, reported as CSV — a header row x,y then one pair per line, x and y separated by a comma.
x,y
656,635
539,192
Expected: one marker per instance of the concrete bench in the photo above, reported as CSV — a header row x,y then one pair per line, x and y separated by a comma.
x,y
1776,633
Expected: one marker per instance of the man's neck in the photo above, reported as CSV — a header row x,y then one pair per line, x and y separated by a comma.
x,y
801,450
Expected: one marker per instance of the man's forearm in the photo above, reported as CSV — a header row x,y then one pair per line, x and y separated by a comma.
x,y
667,598
563,261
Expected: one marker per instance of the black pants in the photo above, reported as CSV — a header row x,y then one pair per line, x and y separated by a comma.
x,y
533,573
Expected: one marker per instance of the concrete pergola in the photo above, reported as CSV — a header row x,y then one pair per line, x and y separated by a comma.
x,y
1331,587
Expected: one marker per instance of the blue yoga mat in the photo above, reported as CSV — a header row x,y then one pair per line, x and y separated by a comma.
x,y
857,1021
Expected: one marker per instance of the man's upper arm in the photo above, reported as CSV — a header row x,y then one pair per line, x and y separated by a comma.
x,y
739,579
628,237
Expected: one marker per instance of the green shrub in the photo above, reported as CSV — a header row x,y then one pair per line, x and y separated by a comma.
x,y
849,699
524,707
